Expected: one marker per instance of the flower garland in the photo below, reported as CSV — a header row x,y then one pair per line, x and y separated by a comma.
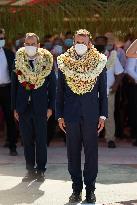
x,y
43,65
81,72
111,60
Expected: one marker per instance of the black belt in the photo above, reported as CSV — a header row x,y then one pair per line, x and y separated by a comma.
x,y
4,85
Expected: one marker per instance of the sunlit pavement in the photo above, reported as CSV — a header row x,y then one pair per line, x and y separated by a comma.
x,y
116,183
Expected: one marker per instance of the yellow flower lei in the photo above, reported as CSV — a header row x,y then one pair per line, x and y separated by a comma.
x,y
42,68
81,72
111,60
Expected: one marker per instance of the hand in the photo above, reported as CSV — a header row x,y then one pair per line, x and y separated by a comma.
x,y
101,125
49,113
16,115
113,89
62,124
130,79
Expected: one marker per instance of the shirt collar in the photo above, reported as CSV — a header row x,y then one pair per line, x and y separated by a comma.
x,y
1,49
32,59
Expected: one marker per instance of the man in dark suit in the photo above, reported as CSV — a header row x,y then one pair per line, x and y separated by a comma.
x,y
6,62
81,109
33,93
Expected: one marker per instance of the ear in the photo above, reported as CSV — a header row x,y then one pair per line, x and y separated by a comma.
x,y
90,44
39,45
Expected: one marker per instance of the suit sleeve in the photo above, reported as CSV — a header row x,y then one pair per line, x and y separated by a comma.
x,y
131,67
51,91
10,59
14,84
60,96
103,100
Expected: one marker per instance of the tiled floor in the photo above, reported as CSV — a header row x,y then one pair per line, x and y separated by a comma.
x,y
116,182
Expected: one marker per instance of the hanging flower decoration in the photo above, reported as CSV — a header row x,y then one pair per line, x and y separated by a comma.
x,y
29,78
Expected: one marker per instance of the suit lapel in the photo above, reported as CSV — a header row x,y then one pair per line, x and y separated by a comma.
x,y
7,56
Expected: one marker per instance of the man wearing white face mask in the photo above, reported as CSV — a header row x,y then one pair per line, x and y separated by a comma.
x,y
33,92
6,62
114,79
81,110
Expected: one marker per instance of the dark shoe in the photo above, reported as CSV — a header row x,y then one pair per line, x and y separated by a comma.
x,y
90,197
134,143
13,152
30,176
75,197
40,176
111,144
6,144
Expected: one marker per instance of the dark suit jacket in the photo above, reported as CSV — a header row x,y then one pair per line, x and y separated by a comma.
x,y
41,98
10,59
90,106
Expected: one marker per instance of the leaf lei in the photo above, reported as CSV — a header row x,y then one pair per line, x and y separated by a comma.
x,y
81,72
43,65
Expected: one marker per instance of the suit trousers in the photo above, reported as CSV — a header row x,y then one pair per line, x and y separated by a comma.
x,y
132,109
110,122
78,134
33,128
5,103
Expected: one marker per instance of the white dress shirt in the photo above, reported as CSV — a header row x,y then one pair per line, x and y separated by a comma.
x,y
131,68
122,57
4,73
116,70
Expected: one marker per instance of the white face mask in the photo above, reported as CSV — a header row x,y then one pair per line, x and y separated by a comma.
x,y
17,42
109,47
31,50
81,49
2,43
57,50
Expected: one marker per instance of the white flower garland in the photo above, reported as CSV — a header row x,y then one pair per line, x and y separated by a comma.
x,y
42,68
81,74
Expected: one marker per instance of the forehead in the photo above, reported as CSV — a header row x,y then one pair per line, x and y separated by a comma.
x,y
31,39
101,41
81,38
1,35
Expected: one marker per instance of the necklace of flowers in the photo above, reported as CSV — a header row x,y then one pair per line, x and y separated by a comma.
x,y
111,60
81,72
43,65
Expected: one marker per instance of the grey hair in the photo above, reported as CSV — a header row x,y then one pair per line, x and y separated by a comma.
x,y
29,35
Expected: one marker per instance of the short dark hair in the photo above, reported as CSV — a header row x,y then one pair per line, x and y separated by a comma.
x,y
28,35
46,37
68,33
101,37
2,31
